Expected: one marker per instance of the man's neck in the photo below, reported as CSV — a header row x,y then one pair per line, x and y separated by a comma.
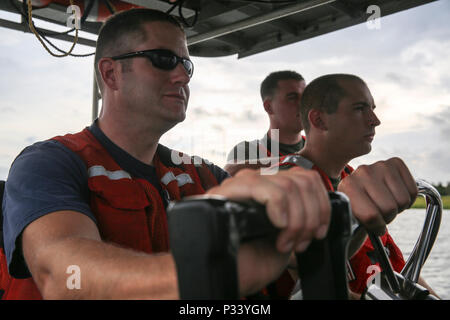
x,y
140,143
285,137
328,161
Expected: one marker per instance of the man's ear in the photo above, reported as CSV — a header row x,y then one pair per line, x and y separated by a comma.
x,y
267,103
317,119
108,69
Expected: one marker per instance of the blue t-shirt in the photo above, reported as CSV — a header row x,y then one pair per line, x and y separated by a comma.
x,y
48,177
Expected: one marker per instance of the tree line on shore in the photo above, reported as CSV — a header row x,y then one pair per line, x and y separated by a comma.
x,y
443,190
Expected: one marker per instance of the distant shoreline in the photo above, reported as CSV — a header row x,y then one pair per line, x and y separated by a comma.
x,y
420,203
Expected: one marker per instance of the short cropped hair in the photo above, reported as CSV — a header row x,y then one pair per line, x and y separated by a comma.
x,y
124,30
324,94
270,83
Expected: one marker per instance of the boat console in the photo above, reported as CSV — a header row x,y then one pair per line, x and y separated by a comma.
x,y
206,232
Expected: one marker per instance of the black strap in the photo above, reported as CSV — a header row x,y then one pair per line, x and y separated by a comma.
x,y
347,170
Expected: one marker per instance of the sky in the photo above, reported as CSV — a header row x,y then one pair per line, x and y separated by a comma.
x,y
406,64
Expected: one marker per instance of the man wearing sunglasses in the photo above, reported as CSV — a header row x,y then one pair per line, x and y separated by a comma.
x,y
84,214
93,204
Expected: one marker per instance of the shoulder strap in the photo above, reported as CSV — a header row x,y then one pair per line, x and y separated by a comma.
x,y
348,170
296,160
207,178
90,151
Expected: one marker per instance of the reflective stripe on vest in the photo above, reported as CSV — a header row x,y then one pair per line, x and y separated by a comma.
x,y
98,170
182,179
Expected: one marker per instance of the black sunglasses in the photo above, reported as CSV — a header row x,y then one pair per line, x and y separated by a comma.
x,y
161,58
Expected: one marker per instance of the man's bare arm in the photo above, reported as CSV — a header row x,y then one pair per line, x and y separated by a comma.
x,y
58,240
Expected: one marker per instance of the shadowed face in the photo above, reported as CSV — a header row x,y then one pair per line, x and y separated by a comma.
x,y
285,105
351,128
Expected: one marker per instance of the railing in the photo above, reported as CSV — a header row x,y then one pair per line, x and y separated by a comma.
x,y
405,285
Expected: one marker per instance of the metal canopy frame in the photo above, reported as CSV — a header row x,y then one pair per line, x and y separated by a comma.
x,y
227,27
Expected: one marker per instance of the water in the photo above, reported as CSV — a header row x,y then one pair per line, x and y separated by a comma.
x,y
405,230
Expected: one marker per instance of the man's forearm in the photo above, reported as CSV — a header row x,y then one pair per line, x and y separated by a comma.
x,y
259,263
105,272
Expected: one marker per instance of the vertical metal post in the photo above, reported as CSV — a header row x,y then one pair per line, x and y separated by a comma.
x,y
95,98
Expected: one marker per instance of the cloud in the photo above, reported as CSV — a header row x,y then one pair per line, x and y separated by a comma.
x,y
424,152
441,121
251,116
199,112
399,79
3,172
31,140
445,83
6,109
424,148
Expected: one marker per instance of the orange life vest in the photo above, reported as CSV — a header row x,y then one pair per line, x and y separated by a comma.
x,y
129,211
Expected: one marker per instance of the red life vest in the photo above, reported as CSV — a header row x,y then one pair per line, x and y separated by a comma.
x,y
358,272
129,211
361,262
16,289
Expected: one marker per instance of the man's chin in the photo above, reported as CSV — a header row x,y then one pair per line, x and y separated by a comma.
x,y
177,111
362,151
177,117
367,148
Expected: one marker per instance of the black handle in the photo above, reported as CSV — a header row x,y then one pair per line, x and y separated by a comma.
x,y
322,267
204,245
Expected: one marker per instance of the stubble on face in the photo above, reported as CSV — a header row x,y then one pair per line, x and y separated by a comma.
x,y
160,96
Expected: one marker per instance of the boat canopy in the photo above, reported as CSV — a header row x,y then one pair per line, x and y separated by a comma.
x,y
218,28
